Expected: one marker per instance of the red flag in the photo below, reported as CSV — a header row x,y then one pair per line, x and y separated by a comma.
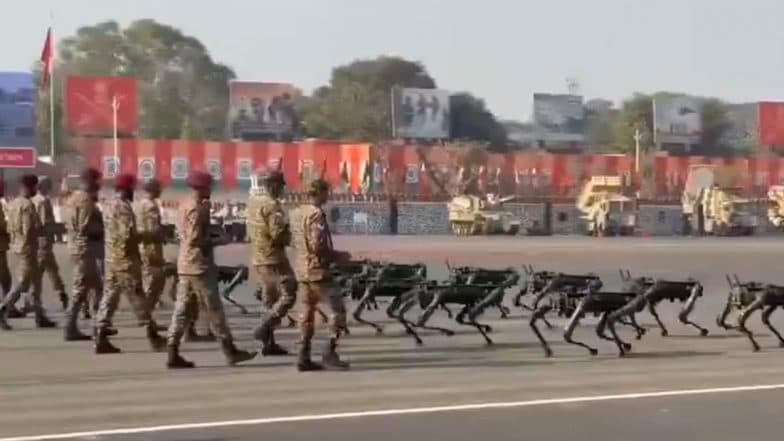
x,y
46,57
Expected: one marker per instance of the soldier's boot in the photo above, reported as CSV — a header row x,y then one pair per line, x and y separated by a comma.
x,y
42,321
234,355
111,331
86,311
14,313
304,363
175,361
3,322
102,343
157,343
266,335
71,331
331,359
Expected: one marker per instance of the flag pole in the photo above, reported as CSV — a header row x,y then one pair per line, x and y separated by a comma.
x,y
51,89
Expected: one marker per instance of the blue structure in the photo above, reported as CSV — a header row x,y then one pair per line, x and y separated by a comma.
x,y
17,109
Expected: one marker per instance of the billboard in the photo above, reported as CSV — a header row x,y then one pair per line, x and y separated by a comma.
x,y
421,113
559,118
88,106
771,123
677,120
259,110
17,109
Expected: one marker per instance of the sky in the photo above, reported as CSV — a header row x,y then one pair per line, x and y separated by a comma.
x,y
500,50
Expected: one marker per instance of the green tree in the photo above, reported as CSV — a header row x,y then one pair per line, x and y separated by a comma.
x,y
600,119
636,114
177,77
357,102
715,123
470,120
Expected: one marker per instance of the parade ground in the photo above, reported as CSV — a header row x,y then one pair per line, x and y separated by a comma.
x,y
683,386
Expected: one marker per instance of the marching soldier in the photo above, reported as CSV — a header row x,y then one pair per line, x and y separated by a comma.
x,y
198,274
151,239
5,273
84,227
123,268
25,229
46,260
315,253
269,236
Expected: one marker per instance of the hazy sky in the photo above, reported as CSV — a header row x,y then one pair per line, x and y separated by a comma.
x,y
500,50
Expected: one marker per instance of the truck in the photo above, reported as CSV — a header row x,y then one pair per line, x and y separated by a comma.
x,y
604,207
472,215
713,204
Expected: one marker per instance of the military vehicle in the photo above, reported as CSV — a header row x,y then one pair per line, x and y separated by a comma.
x,y
713,204
605,209
472,215
776,206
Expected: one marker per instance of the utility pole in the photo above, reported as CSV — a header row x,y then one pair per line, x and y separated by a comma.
x,y
637,139
115,107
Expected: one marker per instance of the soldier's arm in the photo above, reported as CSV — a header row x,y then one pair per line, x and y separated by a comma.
x,y
29,222
150,230
278,228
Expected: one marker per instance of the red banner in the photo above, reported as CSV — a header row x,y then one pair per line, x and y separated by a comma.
x,y
771,124
89,105
17,157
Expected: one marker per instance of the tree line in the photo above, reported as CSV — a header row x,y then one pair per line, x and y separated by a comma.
x,y
183,94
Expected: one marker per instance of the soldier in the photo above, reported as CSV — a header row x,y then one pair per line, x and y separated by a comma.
x,y
25,229
269,236
5,273
46,260
151,239
315,253
123,268
84,227
198,274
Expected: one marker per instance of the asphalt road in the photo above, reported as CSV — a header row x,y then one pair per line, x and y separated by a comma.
x,y
48,387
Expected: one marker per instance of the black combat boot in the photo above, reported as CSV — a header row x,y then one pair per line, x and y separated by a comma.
x,y
175,361
304,363
14,313
266,335
102,343
63,300
234,355
331,359
42,321
3,322
157,343
71,332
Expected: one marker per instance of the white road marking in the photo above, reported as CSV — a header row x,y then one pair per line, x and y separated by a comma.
x,y
415,410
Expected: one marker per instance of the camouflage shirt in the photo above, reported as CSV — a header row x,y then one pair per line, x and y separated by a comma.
x,y
43,207
83,223
151,234
122,240
196,248
268,230
4,237
313,242
24,227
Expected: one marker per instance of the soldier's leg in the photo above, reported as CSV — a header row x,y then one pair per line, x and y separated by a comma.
x,y
180,316
5,275
337,324
41,320
278,296
116,282
52,269
307,299
206,287
143,309
79,289
153,282
25,277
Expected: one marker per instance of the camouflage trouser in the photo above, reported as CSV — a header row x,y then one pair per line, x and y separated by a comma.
x,y
86,278
5,275
48,264
309,294
28,280
205,288
278,288
153,282
117,283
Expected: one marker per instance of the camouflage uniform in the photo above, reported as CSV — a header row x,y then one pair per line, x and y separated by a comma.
x,y
198,276
315,253
46,260
269,236
25,229
151,238
123,265
84,227
5,273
